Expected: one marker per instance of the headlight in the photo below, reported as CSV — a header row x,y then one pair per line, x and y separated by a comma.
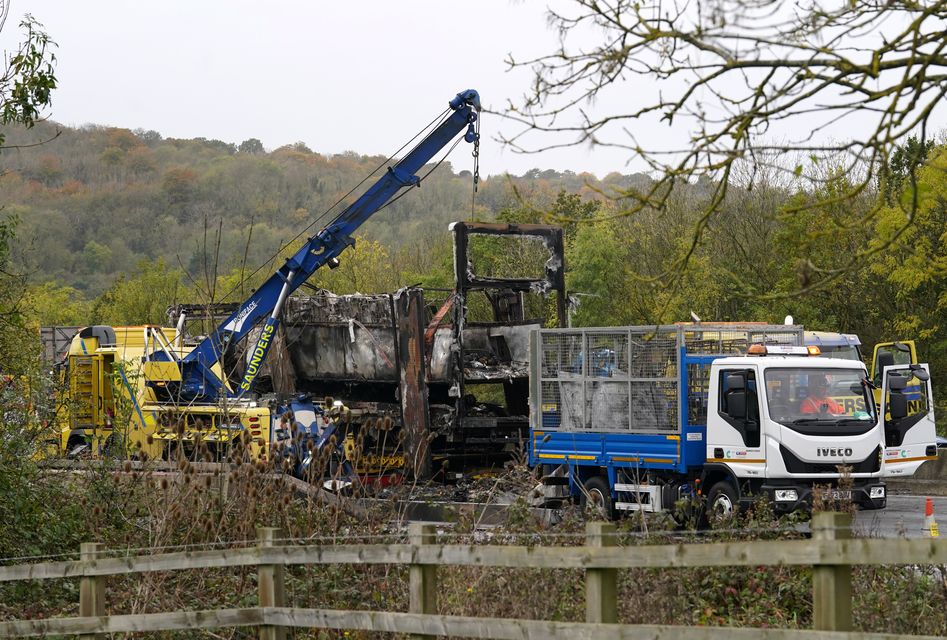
x,y
786,495
876,492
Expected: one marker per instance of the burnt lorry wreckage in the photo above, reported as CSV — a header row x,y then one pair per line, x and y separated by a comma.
x,y
449,368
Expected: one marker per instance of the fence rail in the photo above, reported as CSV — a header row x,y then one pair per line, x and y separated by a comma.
x,y
830,552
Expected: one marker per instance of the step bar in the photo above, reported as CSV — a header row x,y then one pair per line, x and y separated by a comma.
x,y
644,497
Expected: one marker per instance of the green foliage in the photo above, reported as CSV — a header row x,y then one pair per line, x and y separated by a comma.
x,y
912,276
905,161
250,145
25,89
28,81
51,305
597,275
37,513
142,298
15,357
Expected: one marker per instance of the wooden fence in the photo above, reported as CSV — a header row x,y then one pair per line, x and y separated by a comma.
x,y
831,552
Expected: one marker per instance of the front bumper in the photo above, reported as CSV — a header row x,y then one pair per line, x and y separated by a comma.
x,y
871,494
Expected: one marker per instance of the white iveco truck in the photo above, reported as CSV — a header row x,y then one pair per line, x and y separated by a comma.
x,y
638,418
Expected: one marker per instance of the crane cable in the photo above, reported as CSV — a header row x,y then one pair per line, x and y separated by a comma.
x,y
476,168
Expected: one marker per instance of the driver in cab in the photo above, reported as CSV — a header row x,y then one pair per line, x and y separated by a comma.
x,y
817,401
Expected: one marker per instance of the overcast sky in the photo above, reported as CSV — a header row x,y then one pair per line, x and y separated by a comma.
x,y
356,75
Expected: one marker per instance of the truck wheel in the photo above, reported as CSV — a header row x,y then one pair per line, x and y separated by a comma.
x,y
721,502
597,498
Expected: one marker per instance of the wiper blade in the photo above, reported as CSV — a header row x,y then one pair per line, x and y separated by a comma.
x,y
815,421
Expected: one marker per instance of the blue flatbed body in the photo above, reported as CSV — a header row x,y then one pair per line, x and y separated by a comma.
x,y
679,451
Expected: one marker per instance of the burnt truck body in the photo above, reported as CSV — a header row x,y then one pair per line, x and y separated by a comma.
x,y
451,367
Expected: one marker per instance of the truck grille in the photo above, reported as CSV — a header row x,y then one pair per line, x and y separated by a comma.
x,y
793,464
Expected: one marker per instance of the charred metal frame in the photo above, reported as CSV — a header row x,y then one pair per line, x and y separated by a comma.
x,y
322,356
467,281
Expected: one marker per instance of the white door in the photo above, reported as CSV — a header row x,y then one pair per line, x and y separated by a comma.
x,y
909,429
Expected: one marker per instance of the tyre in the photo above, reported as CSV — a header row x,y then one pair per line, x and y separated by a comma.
x,y
597,498
722,503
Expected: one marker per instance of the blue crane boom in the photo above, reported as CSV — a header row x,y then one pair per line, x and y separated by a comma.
x,y
198,381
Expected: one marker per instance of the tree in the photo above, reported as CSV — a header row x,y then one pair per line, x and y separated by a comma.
x,y
738,82
365,268
250,145
25,90
50,304
142,298
27,83
179,185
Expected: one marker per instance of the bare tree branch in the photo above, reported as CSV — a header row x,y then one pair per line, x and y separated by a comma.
x,y
740,81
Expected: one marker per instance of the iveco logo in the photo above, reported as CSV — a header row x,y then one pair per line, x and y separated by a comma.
x,y
834,453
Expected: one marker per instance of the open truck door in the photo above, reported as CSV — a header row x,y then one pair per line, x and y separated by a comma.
x,y
907,410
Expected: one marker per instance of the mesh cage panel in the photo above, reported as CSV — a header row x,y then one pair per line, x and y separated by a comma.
x,y
734,340
608,355
561,352
653,353
609,380
626,379
606,405
654,406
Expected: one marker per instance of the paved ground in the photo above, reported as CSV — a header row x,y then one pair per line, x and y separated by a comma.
x,y
903,517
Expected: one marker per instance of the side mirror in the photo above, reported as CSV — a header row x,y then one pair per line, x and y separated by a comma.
x,y
736,404
897,382
900,346
898,406
920,373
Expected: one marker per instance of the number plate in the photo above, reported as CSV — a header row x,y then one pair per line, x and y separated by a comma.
x,y
836,494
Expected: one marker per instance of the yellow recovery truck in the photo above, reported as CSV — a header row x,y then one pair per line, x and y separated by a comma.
x,y
110,408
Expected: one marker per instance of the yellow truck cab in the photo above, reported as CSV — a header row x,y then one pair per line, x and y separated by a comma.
x,y
891,353
102,378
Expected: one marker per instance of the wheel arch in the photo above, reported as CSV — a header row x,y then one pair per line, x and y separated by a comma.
x,y
714,473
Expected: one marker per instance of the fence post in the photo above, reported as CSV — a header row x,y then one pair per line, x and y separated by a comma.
x,y
91,588
423,577
831,583
272,591
601,585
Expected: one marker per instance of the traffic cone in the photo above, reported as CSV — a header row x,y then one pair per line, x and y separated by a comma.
x,y
930,525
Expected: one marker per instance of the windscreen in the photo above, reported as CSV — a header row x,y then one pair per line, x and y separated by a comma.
x,y
818,400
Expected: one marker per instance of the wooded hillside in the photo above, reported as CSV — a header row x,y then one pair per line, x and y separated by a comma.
x,y
113,226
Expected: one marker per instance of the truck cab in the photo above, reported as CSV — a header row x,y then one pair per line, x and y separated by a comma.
x,y
782,423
